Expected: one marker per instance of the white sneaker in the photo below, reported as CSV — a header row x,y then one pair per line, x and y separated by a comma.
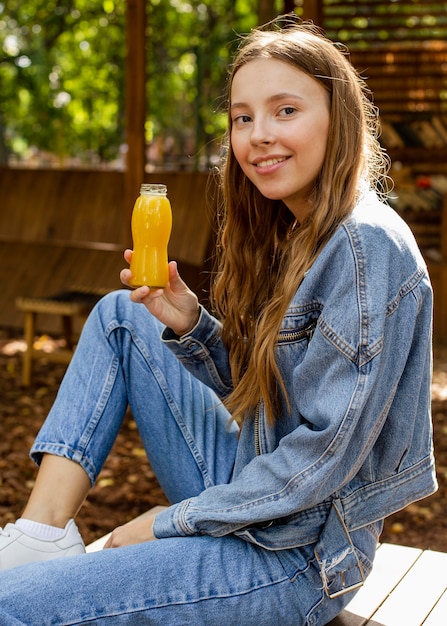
x,y
17,548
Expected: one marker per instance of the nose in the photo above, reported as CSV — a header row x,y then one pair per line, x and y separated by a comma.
x,y
261,133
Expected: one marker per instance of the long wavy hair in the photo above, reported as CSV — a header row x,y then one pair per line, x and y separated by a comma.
x,y
262,253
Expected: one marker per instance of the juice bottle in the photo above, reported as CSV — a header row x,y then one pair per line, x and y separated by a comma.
x,y
151,229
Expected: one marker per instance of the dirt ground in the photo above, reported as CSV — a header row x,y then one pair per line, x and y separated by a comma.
x,y
127,485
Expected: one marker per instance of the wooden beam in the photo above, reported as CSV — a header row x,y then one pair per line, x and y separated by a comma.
x,y
266,11
313,10
136,105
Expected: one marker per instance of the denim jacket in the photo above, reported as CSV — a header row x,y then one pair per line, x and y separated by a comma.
x,y
355,353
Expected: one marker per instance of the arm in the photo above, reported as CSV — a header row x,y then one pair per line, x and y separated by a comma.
x,y
177,307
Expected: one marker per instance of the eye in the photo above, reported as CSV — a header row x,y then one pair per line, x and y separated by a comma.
x,y
287,111
242,119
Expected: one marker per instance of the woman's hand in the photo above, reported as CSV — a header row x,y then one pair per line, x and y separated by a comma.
x,y
138,530
176,306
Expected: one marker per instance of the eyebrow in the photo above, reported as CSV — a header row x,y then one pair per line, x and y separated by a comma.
x,y
274,98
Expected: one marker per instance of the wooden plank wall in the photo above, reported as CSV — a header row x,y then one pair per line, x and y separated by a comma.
x,y
62,229
65,229
62,206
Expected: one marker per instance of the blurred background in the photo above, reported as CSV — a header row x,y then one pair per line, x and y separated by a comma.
x,y
98,96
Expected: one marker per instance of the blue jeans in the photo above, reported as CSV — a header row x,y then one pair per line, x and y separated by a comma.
x,y
191,444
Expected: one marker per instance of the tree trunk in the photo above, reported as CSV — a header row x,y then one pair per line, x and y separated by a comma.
x,y
266,11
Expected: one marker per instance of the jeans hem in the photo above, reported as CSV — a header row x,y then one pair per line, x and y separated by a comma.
x,y
61,450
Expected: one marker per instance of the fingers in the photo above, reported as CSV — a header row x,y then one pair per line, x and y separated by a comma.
x,y
138,294
136,531
125,276
173,270
176,283
116,539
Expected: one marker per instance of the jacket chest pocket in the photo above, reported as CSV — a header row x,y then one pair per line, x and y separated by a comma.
x,y
292,346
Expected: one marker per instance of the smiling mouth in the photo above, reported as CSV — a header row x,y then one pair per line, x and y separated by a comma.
x,y
270,162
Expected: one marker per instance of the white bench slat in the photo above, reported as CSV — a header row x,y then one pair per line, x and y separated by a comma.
x,y
417,593
438,617
391,564
97,545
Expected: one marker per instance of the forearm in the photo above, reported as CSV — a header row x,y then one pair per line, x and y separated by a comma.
x,y
203,353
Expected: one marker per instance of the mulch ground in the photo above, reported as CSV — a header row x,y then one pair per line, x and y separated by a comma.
x,y
127,486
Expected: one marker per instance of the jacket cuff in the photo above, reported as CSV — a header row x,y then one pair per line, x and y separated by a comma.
x,y
207,330
168,522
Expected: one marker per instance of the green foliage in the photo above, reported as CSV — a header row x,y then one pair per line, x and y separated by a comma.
x,y
190,45
62,73
62,70
62,77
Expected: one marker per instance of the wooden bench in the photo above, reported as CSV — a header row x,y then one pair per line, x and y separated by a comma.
x,y
407,587
65,231
70,305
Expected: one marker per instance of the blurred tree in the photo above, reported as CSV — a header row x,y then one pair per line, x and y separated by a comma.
x,y
189,48
62,78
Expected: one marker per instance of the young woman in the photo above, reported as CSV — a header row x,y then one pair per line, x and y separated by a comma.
x,y
283,433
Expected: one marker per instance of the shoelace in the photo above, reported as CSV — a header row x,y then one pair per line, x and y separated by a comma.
x,y
3,533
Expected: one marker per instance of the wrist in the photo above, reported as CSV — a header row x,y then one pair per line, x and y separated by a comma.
x,y
187,329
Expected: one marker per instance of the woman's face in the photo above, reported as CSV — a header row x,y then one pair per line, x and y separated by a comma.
x,y
280,124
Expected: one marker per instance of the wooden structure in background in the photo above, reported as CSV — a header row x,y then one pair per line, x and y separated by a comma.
x,y
405,66
136,101
63,229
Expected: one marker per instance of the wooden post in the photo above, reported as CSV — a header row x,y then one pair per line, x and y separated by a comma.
x,y
136,107
266,11
441,322
313,10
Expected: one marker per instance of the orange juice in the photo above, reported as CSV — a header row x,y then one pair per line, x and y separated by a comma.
x,y
151,229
